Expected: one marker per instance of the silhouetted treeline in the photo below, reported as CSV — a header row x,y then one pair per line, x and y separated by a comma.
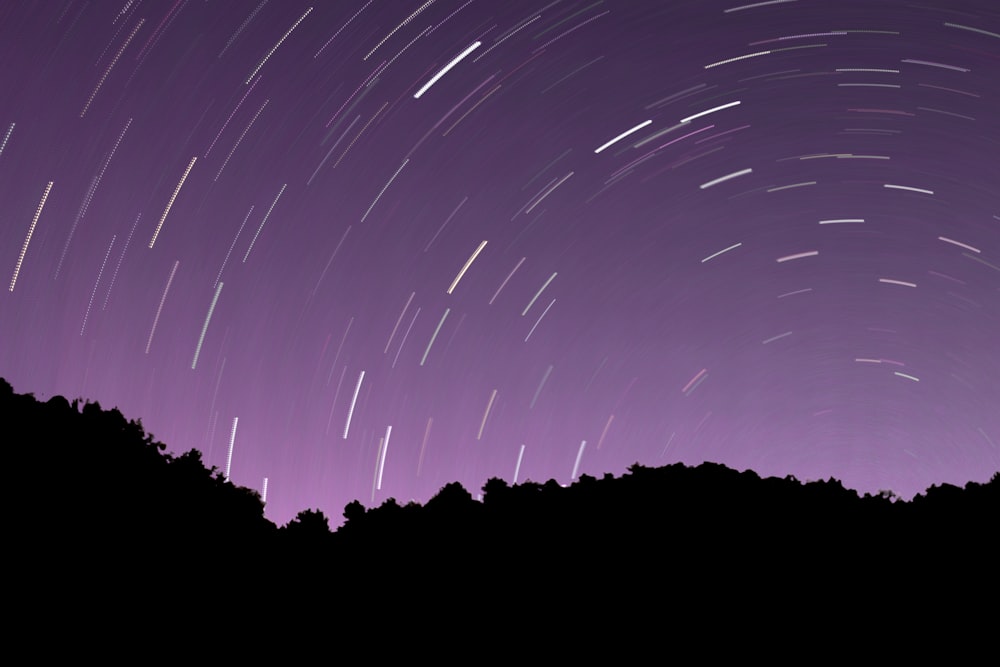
x,y
95,495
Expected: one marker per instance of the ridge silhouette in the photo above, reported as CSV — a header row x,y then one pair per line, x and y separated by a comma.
x,y
99,508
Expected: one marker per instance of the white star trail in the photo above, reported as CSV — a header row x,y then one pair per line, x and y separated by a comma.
x,y
266,216
83,112
118,266
623,135
444,70
97,282
170,202
354,400
232,441
204,327
891,281
909,188
398,320
517,466
384,188
576,464
959,244
392,32
385,450
538,294
468,263
505,280
788,258
708,111
716,254
486,414
431,341
539,320
723,179
275,47
31,230
159,309
3,144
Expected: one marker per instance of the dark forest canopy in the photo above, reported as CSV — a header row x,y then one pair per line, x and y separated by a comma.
x,y
86,473
102,516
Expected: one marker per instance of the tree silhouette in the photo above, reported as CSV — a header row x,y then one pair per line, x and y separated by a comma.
x,y
308,524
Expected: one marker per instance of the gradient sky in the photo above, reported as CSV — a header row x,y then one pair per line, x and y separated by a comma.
x,y
374,247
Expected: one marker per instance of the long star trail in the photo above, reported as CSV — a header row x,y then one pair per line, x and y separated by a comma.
x,y
908,188
798,255
232,441
232,245
534,399
465,267
243,26
118,266
230,118
447,68
6,138
159,308
275,47
170,202
239,140
405,336
398,320
486,415
264,220
27,239
405,22
423,445
708,111
723,179
547,192
539,320
330,152
382,455
204,327
576,464
354,400
507,279
88,198
621,136
538,294
342,28
330,261
382,191
517,466
104,76
97,282
434,336
724,250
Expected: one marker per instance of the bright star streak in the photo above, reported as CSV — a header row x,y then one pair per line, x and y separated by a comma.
x,y
354,400
31,230
623,135
723,179
712,110
468,263
444,70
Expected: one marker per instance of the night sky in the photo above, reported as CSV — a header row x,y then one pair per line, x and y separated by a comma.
x,y
364,249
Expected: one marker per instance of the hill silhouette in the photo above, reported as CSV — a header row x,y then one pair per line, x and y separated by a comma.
x,y
100,508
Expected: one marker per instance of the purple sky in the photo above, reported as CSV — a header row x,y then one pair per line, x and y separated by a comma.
x,y
382,246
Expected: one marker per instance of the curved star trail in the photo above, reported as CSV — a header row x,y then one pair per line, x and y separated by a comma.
x,y
765,234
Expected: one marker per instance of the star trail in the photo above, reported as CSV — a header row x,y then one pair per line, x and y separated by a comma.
x,y
766,235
